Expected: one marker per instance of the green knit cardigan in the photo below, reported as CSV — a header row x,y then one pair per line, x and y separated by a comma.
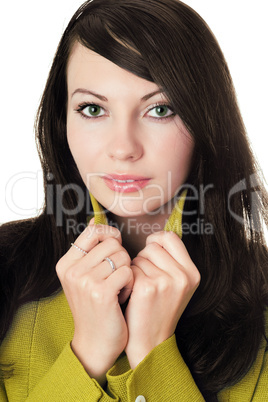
x,y
46,369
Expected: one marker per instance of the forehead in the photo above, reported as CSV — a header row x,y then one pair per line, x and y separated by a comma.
x,y
89,69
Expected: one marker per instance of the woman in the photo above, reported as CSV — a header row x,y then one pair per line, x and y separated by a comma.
x,y
138,108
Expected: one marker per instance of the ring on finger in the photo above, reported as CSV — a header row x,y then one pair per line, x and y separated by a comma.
x,y
112,264
78,248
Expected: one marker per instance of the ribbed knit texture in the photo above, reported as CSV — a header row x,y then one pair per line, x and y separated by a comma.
x,y
174,223
99,214
45,368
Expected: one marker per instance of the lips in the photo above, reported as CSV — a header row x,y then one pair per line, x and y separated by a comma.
x,y
125,183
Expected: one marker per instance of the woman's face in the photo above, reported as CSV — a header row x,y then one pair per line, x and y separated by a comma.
x,y
132,152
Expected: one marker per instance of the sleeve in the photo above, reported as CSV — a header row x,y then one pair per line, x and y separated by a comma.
x,y
3,395
261,390
252,387
68,381
162,375
38,348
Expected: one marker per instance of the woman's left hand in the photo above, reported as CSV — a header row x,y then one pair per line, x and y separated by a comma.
x,y
165,279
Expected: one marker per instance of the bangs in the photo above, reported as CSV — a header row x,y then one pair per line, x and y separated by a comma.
x,y
102,37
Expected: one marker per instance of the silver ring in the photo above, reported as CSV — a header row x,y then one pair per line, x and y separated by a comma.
x,y
78,248
111,263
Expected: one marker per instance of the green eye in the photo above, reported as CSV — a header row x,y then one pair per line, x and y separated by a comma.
x,y
92,110
160,111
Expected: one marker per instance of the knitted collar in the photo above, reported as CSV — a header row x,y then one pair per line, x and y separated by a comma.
x,y
174,223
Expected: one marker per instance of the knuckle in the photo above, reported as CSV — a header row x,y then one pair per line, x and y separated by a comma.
x,y
188,282
196,278
99,230
97,295
124,258
169,237
59,266
136,261
152,247
127,272
183,282
88,232
93,232
71,275
148,289
171,234
112,242
90,236
164,284
116,233
153,237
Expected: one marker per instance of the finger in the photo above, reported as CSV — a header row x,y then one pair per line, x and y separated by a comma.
x,y
162,260
121,278
126,291
106,248
90,237
159,258
124,294
148,268
104,269
173,245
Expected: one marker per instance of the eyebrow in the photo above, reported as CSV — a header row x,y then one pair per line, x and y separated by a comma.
x,y
87,92
104,99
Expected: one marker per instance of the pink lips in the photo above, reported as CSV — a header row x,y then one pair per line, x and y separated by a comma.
x,y
125,183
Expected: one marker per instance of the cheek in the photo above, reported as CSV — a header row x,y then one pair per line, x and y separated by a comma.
x,y
181,162
80,144
178,154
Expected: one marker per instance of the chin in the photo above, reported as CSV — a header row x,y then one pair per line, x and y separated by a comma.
x,y
131,210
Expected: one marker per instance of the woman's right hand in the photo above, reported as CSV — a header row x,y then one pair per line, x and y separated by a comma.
x,y
92,290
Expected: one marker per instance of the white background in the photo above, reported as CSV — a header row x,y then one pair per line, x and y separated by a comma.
x,y
29,34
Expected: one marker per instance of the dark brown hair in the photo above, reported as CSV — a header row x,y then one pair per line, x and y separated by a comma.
x,y
167,42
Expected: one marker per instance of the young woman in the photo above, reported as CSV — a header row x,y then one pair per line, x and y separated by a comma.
x,y
145,277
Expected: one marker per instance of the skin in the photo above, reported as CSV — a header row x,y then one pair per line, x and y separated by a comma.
x,y
126,137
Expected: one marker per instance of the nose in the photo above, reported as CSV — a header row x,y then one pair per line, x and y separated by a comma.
x,y
124,141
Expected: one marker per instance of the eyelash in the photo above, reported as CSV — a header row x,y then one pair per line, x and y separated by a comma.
x,y
159,104
82,106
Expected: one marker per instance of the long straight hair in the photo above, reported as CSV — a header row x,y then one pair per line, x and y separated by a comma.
x,y
166,42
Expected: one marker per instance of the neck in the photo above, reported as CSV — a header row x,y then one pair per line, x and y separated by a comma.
x,y
135,230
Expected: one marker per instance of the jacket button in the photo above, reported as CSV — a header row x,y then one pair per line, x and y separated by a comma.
x,y
140,398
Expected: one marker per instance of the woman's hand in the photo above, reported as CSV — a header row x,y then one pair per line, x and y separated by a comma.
x,y
165,279
92,290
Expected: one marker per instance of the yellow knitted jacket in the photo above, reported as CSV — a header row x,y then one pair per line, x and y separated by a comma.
x,y
45,368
